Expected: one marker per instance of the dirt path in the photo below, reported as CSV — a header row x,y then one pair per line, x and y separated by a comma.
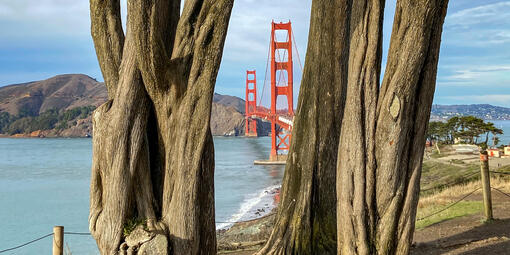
x,y
468,235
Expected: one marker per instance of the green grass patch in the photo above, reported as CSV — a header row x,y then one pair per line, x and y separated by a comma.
x,y
457,161
437,155
461,209
437,176
503,168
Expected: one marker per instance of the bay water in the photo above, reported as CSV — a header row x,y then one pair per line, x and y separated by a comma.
x,y
45,182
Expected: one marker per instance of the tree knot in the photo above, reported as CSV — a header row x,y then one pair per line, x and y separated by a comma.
x,y
395,107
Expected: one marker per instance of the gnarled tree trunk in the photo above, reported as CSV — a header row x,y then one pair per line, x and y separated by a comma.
x,y
380,130
306,220
381,145
153,155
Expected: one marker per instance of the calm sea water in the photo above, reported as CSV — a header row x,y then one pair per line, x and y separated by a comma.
x,y
505,125
45,182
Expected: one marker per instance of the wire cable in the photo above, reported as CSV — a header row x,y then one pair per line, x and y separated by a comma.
x,y
297,51
25,244
501,192
449,206
265,75
498,172
464,179
78,233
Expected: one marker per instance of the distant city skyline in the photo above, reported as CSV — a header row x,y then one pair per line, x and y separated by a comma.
x,y
44,38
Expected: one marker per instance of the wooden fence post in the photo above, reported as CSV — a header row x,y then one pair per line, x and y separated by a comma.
x,y
486,185
58,240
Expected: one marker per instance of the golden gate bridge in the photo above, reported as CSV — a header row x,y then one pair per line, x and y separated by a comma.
x,y
281,86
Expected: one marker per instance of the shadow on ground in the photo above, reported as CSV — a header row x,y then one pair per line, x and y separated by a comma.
x,y
490,238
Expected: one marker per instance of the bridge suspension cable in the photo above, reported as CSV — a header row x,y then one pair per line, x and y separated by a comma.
x,y
297,51
281,85
265,75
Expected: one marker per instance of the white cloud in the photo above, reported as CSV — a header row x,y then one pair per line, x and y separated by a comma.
x,y
483,26
478,73
497,13
250,27
499,99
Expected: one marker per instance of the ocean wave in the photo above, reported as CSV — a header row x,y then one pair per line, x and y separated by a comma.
x,y
254,206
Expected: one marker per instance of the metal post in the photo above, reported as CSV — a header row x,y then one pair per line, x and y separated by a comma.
x,y
486,185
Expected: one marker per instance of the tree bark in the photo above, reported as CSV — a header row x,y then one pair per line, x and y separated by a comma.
x,y
153,155
372,137
378,174
356,155
306,220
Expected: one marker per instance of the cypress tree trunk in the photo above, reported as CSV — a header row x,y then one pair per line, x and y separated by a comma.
x,y
306,220
380,130
383,137
153,155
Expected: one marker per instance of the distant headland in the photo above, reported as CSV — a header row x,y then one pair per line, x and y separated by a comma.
x,y
61,106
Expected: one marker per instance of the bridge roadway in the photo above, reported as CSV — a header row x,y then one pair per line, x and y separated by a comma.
x,y
283,121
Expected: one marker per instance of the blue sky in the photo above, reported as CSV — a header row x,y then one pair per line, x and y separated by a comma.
x,y
44,38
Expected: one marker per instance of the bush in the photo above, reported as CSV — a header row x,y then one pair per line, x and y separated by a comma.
x,y
48,120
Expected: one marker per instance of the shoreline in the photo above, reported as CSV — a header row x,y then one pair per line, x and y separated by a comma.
x,y
64,136
252,208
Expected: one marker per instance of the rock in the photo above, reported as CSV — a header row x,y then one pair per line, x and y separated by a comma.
x,y
138,237
37,133
157,245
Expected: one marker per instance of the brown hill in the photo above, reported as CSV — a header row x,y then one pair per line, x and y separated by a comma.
x,y
235,102
62,92
69,91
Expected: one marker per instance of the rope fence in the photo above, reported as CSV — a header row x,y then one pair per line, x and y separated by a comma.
x,y
449,206
89,234
45,236
78,233
498,172
459,181
27,243
500,191
465,178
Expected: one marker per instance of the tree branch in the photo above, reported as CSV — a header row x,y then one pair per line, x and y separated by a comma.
x,y
306,220
106,28
154,25
356,160
200,37
403,112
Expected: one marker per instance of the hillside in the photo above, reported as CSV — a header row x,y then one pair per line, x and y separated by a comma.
x,y
483,111
235,102
62,92
61,107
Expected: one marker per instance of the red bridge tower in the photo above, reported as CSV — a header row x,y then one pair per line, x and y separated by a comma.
x,y
280,140
251,103
281,86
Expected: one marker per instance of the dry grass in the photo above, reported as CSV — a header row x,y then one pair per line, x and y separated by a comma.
x,y
453,193
428,205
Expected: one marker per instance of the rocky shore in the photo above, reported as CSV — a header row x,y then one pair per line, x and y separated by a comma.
x,y
251,234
